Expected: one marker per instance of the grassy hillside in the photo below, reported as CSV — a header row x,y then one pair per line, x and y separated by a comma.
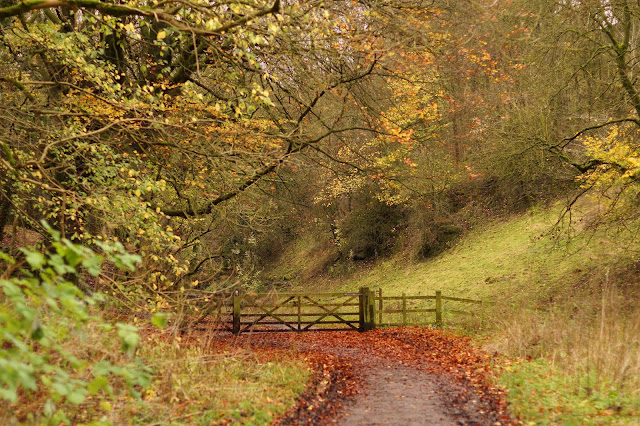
x,y
566,310
513,261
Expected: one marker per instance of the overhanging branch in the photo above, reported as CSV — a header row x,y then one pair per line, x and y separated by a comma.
x,y
186,212
566,141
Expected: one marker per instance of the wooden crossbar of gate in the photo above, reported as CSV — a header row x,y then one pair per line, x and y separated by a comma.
x,y
300,312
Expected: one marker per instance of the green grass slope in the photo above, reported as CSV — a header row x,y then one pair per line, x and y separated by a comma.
x,y
566,311
514,262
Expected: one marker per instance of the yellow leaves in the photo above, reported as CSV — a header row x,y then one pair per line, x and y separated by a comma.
x,y
620,166
616,147
631,174
161,35
634,161
409,162
340,186
149,394
129,27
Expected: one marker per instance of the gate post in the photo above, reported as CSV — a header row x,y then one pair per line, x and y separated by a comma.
x,y
404,308
438,308
236,312
299,302
361,309
380,307
371,307
367,309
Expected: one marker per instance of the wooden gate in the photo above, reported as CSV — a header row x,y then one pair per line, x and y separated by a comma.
x,y
302,311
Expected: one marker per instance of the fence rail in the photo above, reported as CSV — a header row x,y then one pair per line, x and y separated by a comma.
x,y
397,310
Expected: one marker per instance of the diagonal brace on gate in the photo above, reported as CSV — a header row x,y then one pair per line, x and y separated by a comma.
x,y
330,313
268,313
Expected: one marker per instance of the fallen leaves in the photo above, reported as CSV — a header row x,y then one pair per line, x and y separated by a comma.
x,y
340,359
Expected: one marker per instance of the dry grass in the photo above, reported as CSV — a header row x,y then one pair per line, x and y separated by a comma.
x,y
603,344
87,346
590,353
215,382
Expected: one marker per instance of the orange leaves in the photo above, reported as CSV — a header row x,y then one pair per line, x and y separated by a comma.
x,y
410,163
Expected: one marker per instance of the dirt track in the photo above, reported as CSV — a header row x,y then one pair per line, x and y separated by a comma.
x,y
400,376
394,394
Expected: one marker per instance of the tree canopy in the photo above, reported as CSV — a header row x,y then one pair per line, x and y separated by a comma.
x,y
196,132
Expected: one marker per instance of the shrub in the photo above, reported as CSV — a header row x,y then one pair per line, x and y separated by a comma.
x,y
370,230
43,317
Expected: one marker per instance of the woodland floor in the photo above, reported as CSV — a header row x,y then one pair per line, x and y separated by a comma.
x,y
391,376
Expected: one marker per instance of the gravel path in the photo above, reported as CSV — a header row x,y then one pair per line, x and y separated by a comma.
x,y
398,395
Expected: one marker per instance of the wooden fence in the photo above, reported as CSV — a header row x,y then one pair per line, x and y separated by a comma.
x,y
398,310
363,310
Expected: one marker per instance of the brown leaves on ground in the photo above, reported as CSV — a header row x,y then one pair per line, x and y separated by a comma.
x,y
339,360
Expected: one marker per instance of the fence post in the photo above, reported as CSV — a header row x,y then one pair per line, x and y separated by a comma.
x,y
380,307
299,313
361,309
236,312
367,309
438,308
404,309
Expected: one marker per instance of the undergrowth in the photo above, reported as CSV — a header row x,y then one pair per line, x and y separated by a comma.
x,y
584,362
62,361
215,383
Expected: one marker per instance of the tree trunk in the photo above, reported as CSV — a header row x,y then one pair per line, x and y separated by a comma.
x,y
5,208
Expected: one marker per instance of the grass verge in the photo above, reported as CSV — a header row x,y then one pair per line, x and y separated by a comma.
x,y
216,383
188,381
541,393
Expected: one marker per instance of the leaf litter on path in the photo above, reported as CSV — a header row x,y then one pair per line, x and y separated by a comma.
x,y
400,375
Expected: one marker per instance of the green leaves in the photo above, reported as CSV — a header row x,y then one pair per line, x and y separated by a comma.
x,y
42,320
159,319
15,373
34,259
92,264
98,384
130,338
119,255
